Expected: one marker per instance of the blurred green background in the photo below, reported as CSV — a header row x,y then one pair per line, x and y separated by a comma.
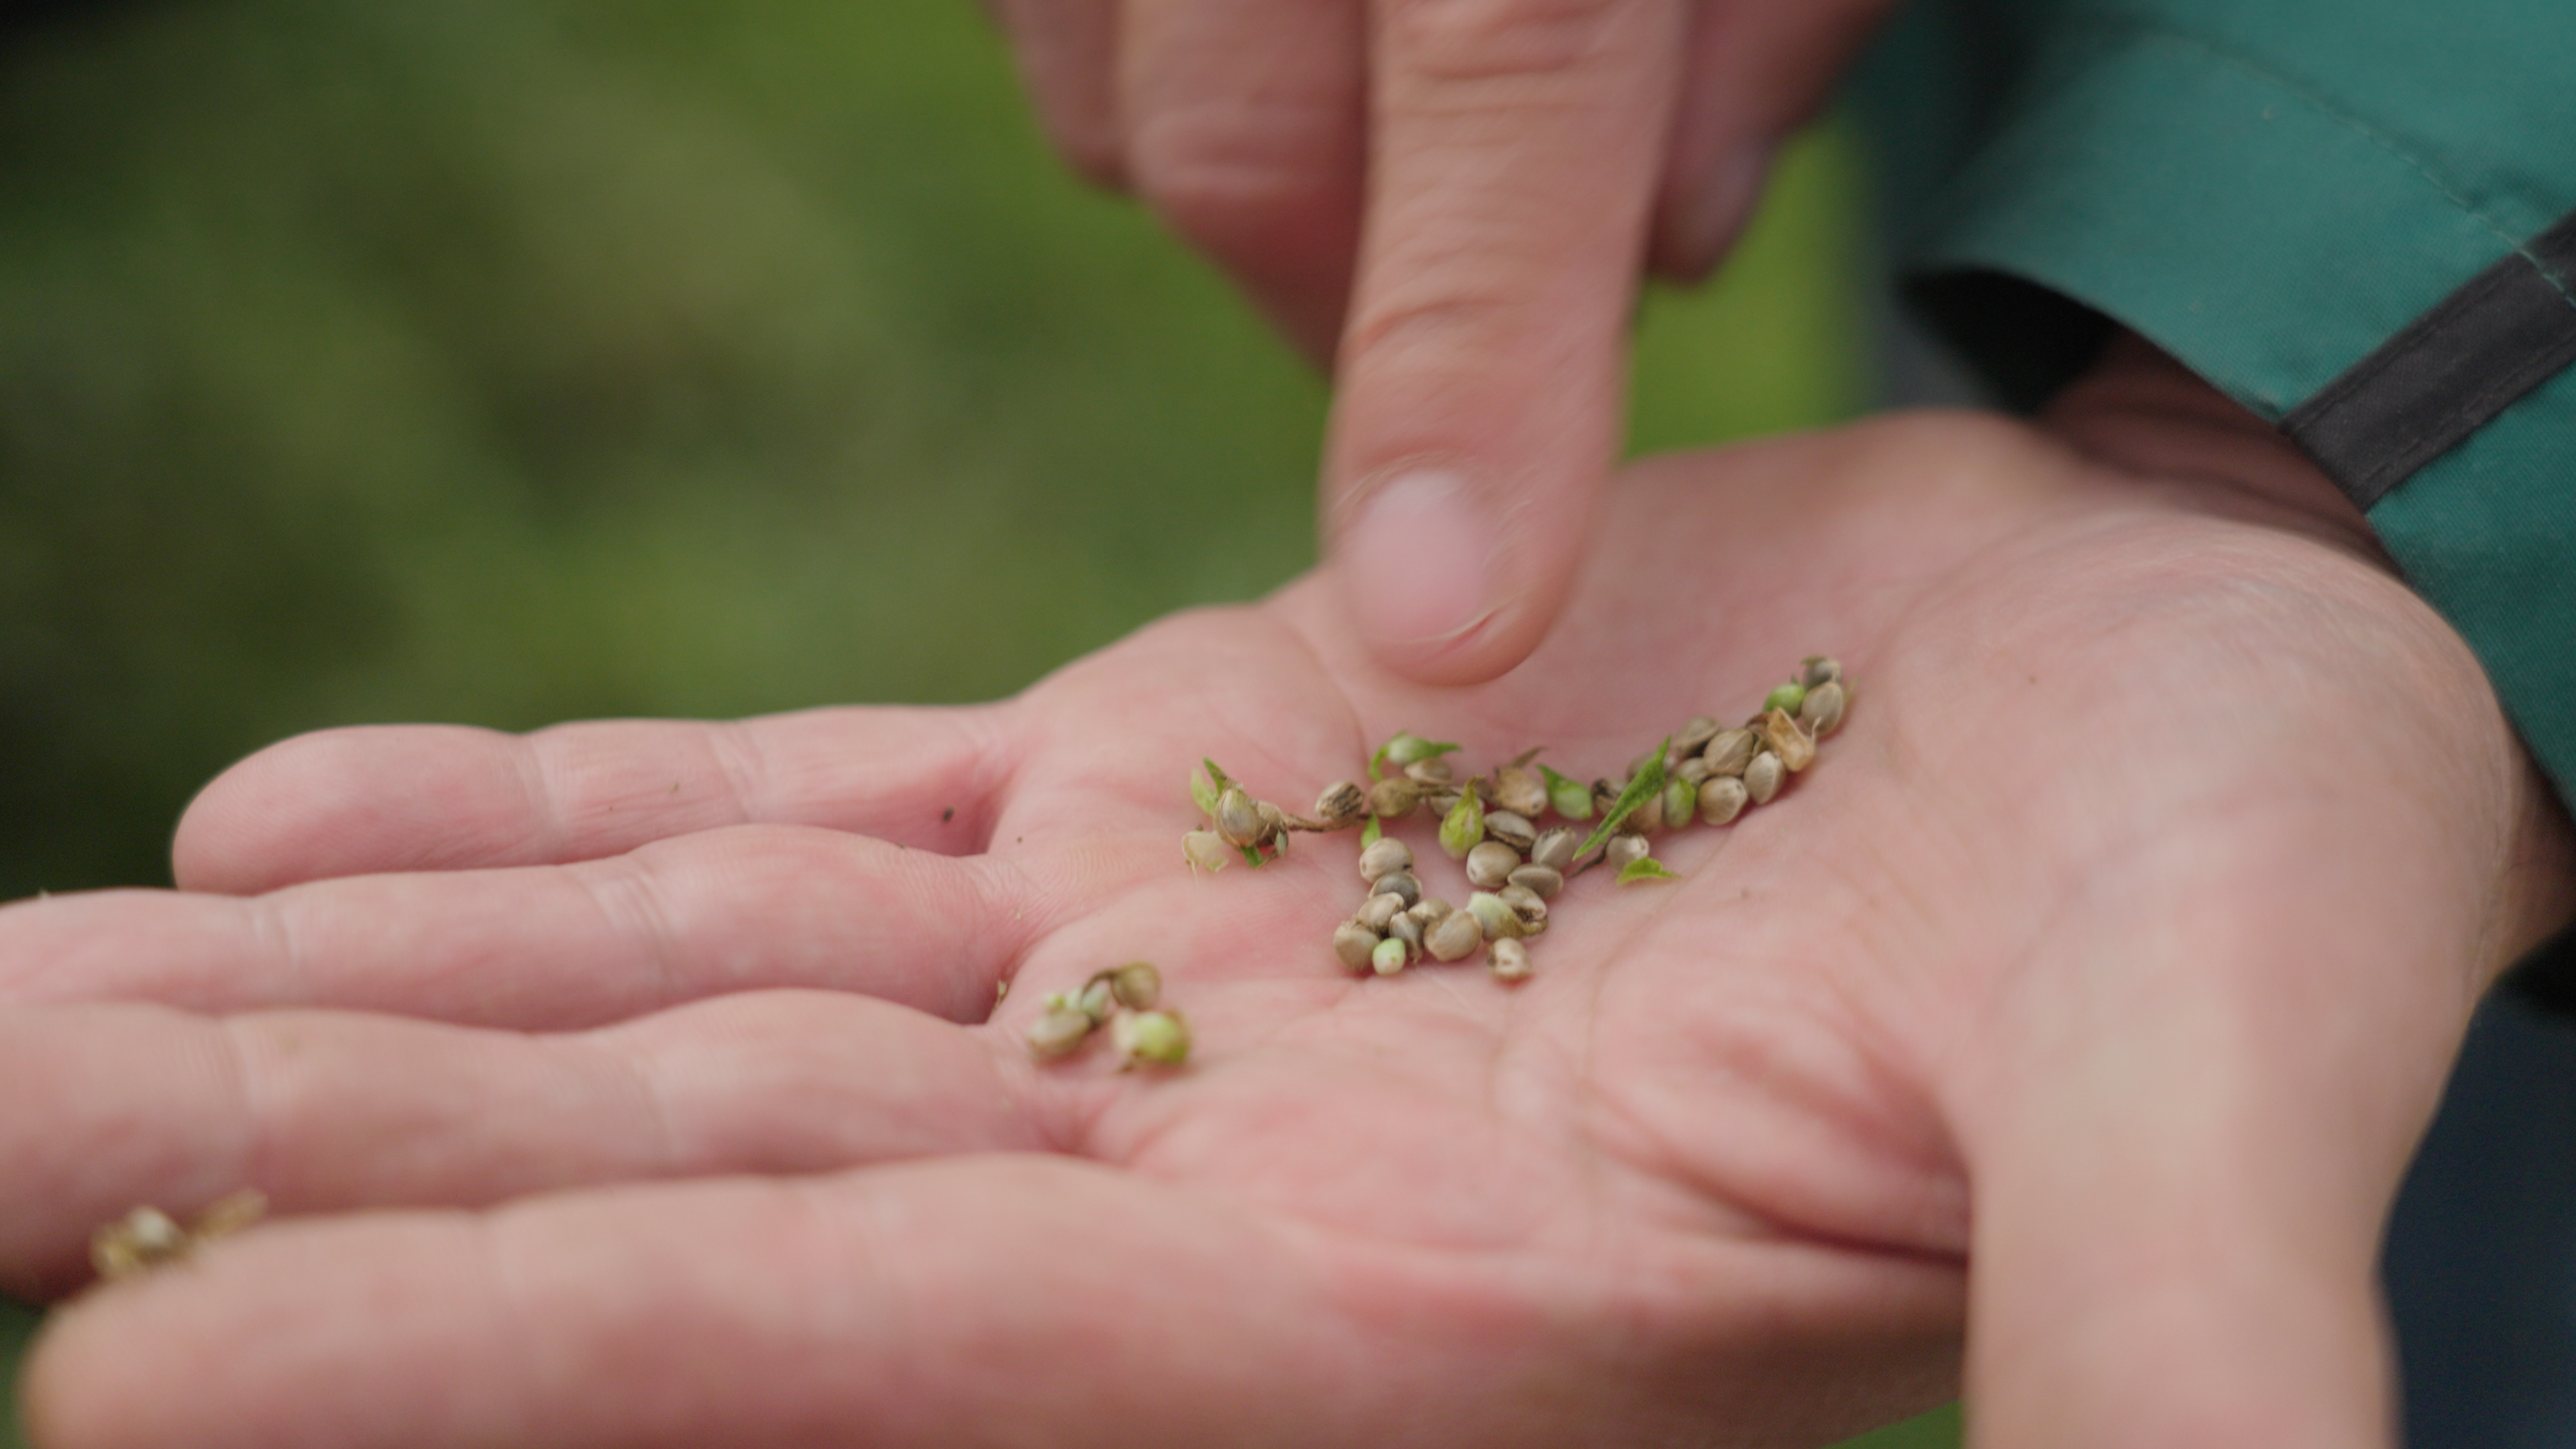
x,y
364,360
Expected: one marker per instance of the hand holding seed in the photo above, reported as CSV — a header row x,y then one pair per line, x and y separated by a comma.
x,y
687,1117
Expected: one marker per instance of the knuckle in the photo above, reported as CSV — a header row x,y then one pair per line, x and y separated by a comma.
x,y
1483,39
1220,171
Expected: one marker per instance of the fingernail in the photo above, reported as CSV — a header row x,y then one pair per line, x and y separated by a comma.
x,y
1716,210
1420,559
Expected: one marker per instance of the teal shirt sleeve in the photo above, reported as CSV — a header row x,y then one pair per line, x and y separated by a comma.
x,y
2269,190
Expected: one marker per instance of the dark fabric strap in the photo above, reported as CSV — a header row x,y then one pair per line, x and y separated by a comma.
x,y
2429,387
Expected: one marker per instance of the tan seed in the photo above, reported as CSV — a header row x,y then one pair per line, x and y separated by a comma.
x,y
1556,848
1433,771
1692,770
1822,713
1429,910
1721,800
1342,802
1384,858
1730,752
1649,814
1623,848
1491,864
1378,910
1508,960
1521,790
1818,670
1493,916
1545,880
1762,778
1137,985
1239,820
1528,907
1394,799
1058,1032
1400,885
1353,941
1691,739
1406,928
1511,828
1455,938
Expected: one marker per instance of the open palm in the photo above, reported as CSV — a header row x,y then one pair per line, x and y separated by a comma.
x,y
2094,984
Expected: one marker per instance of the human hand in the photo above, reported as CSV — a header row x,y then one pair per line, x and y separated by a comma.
x,y
1454,198
2097,981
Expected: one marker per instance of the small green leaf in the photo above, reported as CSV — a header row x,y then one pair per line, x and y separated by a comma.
x,y
1222,781
1640,790
1644,867
1465,825
1251,856
1571,798
1204,792
1370,832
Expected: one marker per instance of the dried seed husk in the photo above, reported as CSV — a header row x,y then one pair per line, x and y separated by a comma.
x,y
1239,821
1342,803
1058,1032
1762,778
1545,880
1721,800
1508,960
1556,848
1789,742
1394,799
1137,985
1151,1038
144,1238
1693,770
1493,916
1434,771
1353,942
1528,907
1407,928
1569,798
1511,828
1491,864
1785,697
230,1214
1276,821
1681,798
1822,713
1442,799
1692,739
1464,826
1430,910
1605,794
1455,938
1623,849
1206,850
1730,752
1096,999
1817,670
1392,955
1378,910
1384,858
1520,790
1399,884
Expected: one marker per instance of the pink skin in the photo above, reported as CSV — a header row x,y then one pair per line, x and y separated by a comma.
x,y
1447,204
2093,987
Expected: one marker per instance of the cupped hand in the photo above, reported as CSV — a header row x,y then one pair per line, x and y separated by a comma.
x,y
2094,984
1450,202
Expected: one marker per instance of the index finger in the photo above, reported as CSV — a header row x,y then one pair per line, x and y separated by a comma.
x,y
1519,145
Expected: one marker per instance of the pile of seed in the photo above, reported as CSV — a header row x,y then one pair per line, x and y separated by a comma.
x,y
1126,999
1492,824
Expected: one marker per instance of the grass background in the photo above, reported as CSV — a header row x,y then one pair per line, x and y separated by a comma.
x,y
508,363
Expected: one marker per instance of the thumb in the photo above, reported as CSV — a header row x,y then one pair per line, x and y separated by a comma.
x,y
1482,372
2184,1136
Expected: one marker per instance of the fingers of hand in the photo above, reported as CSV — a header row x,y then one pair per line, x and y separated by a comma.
x,y
396,798
335,1110
1006,1300
550,947
1245,124
1516,153
1068,53
1755,71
